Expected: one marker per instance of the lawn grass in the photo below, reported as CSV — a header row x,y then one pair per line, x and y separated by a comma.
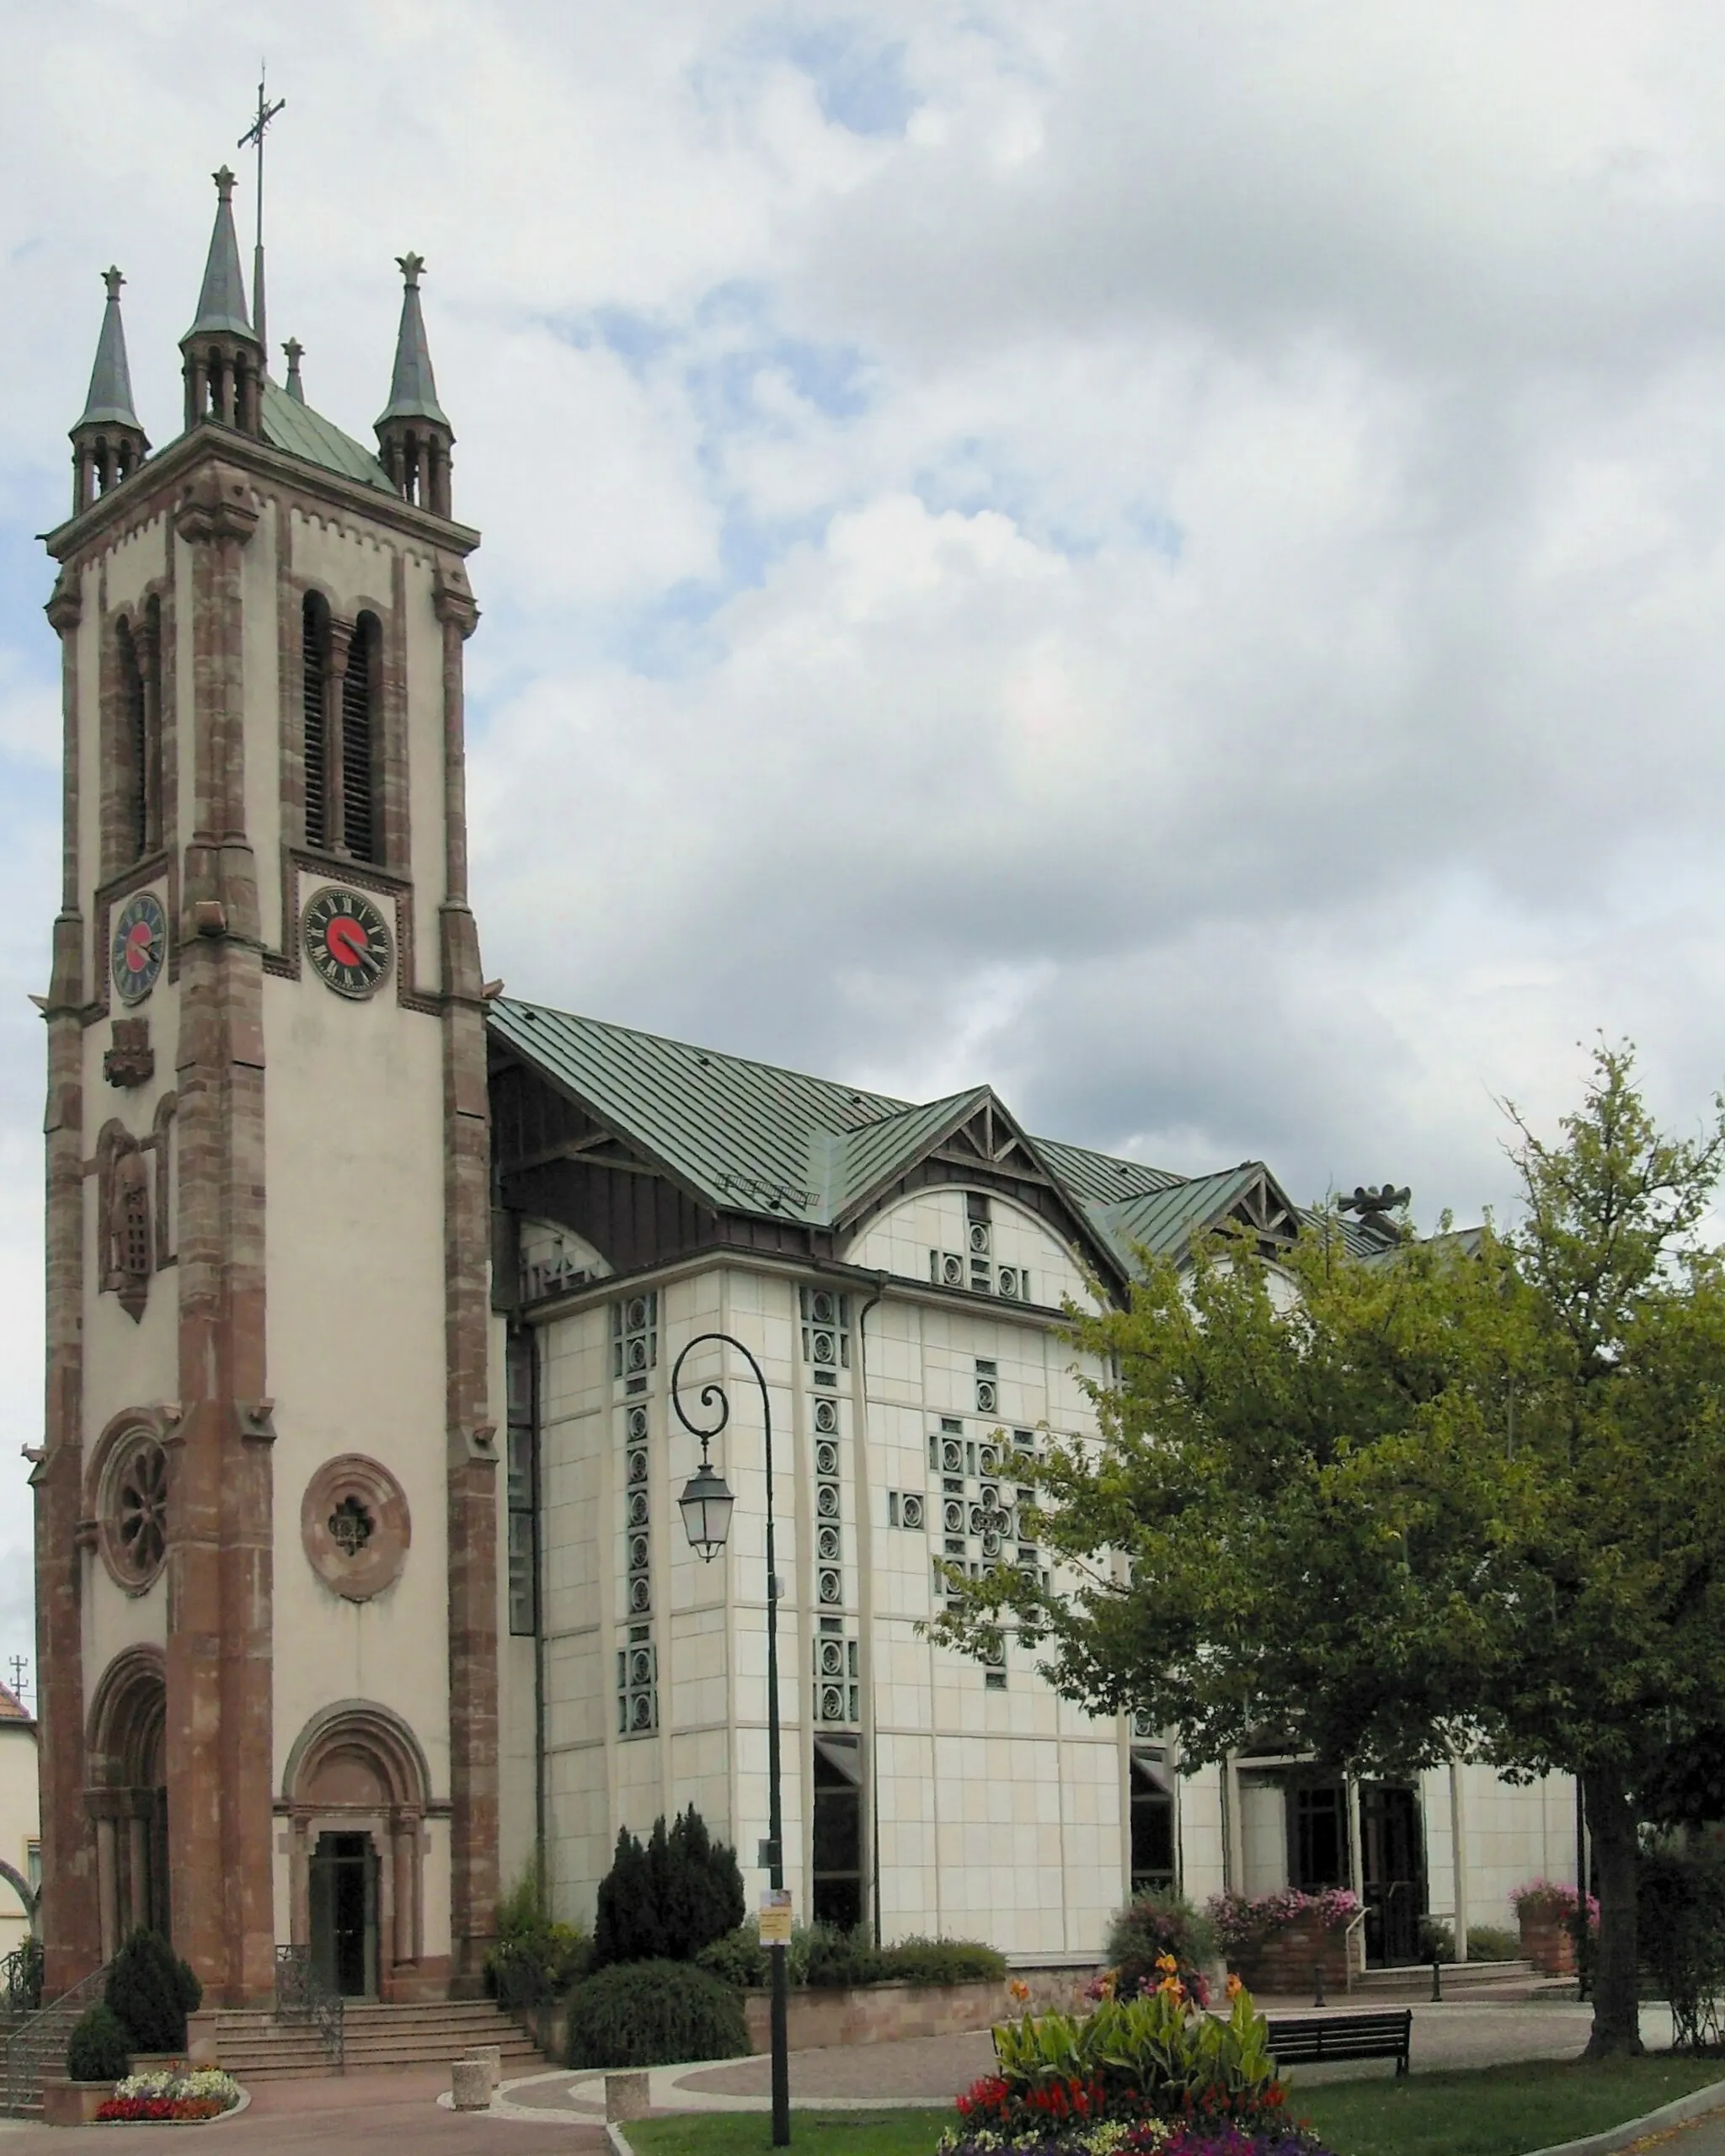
x,y
1497,2111
1494,2111
834,2133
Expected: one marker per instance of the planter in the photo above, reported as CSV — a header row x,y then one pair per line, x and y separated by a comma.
x,y
1547,1942
1286,1963
877,2014
72,2103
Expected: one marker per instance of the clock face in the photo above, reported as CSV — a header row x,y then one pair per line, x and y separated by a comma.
x,y
347,941
140,945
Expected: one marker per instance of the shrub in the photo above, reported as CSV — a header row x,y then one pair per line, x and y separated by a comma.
x,y
653,2013
739,1959
668,1900
839,1959
1437,1940
1154,1925
1680,1907
535,1959
98,2048
917,1961
21,1979
1493,1942
152,1991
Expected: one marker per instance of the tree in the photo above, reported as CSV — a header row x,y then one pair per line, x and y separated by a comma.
x,y
1467,1498
668,1900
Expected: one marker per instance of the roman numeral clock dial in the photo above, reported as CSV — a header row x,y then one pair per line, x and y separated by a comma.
x,y
348,942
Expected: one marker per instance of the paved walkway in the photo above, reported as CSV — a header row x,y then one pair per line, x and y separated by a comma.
x,y
563,2111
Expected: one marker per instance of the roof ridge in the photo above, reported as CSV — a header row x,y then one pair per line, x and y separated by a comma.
x,y
750,1062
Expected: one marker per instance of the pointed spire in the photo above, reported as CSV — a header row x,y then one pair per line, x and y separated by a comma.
x,y
109,401
414,434
221,304
413,388
108,444
295,352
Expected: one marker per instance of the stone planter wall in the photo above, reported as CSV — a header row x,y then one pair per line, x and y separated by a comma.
x,y
72,2103
1284,1964
1547,1942
876,2013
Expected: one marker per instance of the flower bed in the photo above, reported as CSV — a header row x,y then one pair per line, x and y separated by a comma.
x,y
179,2094
1147,2076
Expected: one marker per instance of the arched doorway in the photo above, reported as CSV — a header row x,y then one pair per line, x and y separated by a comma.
x,y
126,1795
356,1790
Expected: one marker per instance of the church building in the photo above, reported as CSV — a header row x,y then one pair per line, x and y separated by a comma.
x,y
361,1570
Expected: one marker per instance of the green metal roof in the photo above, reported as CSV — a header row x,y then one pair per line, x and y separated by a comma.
x,y
747,1137
290,424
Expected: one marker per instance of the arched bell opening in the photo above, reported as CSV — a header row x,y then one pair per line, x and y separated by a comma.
x,y
356,1792
126,1795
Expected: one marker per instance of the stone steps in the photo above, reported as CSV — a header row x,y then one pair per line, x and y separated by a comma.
x,y
252,2045
1461,1980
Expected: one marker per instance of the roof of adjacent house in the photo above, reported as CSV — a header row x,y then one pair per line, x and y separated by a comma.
x,y
750,1138
11,1708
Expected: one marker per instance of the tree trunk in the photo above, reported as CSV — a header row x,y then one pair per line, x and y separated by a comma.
x,y
1610,1820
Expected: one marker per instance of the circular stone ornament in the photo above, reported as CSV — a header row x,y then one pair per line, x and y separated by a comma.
x,y
355,1526
132,1509
140,944
348,942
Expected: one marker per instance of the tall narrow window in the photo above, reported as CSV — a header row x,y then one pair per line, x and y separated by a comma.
x,y
134,746
315,648
359,727
523,1537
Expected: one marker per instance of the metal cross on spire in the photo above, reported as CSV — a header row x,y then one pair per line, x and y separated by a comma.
x,y
254,134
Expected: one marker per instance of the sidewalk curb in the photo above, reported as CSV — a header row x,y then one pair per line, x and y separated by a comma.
x,y
618,2139
1695,2105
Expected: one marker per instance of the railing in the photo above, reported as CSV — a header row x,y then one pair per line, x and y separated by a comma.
x,y
40,2042
21,1982
302,1995
1353,1925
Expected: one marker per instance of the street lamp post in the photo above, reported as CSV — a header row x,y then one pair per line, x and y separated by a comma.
x,y
706,1505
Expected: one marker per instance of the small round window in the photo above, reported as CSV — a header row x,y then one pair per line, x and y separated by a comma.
x,y
134,1509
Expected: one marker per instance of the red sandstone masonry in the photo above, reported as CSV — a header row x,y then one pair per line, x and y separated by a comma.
x,y
73,1936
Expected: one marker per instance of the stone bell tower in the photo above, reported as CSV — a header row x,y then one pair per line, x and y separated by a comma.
x,y
266,1500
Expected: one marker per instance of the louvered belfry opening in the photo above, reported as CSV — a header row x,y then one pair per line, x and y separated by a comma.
x,y
315,648
136,745
359,702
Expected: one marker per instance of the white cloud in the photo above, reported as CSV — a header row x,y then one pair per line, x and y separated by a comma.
x,y
1169,559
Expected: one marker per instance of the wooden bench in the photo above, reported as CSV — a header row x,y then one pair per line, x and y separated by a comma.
x,y
1320,2039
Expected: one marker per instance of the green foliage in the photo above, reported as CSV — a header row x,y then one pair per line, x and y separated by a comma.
x,y
535,1959
668,1900
1488,1469
1152,1924
152,1991
653,2013
1682,1906
1437,1940
823,1956
1493,1942
918,1961
1153,2055
98,2048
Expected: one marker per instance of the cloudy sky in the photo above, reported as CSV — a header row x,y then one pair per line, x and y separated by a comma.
x,y
1168,554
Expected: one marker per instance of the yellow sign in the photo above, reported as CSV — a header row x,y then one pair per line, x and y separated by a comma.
x,y
776,1917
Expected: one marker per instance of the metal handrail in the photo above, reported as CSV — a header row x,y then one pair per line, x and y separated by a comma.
x,y
1353,1924
303,1995
21,1982
31,2047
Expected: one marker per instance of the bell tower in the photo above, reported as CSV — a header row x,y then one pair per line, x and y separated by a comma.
x,y
266,1499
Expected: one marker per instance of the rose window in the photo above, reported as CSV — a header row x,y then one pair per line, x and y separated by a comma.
x,y
137,1521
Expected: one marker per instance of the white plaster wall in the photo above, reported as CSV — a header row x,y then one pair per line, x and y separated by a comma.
x,y
20,1823
355,1240
900,1239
